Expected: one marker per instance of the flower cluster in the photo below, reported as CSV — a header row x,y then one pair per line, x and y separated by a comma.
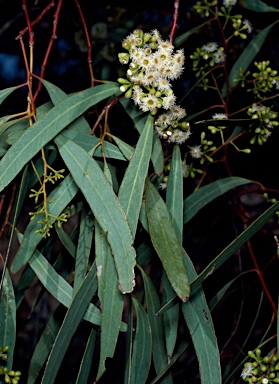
x,y
206,57
265,79
169,128
10,376
152,65
262,370
265,122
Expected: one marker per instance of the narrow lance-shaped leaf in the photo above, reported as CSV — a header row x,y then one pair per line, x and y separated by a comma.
x,y
247,56
71,321
42,349
8,317
204,195
6,92
235,245
257,6
47,128
83,247
165,242
141,357
198,319
157,330
105,207
87,359
180,39
174,202
112,302
131,188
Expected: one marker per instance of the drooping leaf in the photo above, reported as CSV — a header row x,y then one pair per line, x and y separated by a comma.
x,y
141,357
105,207
165,242
157,330
112,302
47,128
198,319
131,189
8,317
204,195
65,240
174,202
43,348
87,358
71,321
125,148
83,247
257,6
235,245
247,56
180,39
5,93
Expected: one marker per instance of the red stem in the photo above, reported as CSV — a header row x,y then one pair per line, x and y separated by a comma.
x,y
50,44
175,17
89,46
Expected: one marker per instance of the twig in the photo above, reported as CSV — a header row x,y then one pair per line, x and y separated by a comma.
x,y
175,17
89,46
105,109
50,44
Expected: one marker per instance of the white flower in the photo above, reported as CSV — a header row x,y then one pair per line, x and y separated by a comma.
x,y
219,116
162,84
163,186
179,137
159,130
247,371
137,94
196,152
219,57
169,101
265,381
177,112
248,25
210,47
228,3
163,120
149,102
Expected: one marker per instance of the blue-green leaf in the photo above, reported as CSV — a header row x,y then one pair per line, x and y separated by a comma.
x,y
141,357
8,317
131,189
5,93
204,195
257,6
180,39
47,128
87,359
165,242
105,207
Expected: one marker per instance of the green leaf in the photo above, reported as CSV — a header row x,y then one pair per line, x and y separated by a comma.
x,y
129,341
87,359
180,39
8,317
125,148
42,349
83,247
156,323
141,357
88,142
5,93
112,302
47,128
63,194
71,321
165,242
198,319
247,56
157,155
257,6
105,207
235,245
65,240
132,186
174,202
204,195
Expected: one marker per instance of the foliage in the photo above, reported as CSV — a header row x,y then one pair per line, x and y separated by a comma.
x,y
117,234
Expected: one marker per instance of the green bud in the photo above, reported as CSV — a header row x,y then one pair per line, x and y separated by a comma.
x,y
129,93
272,375
247,150
202,135
123,81
12,373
